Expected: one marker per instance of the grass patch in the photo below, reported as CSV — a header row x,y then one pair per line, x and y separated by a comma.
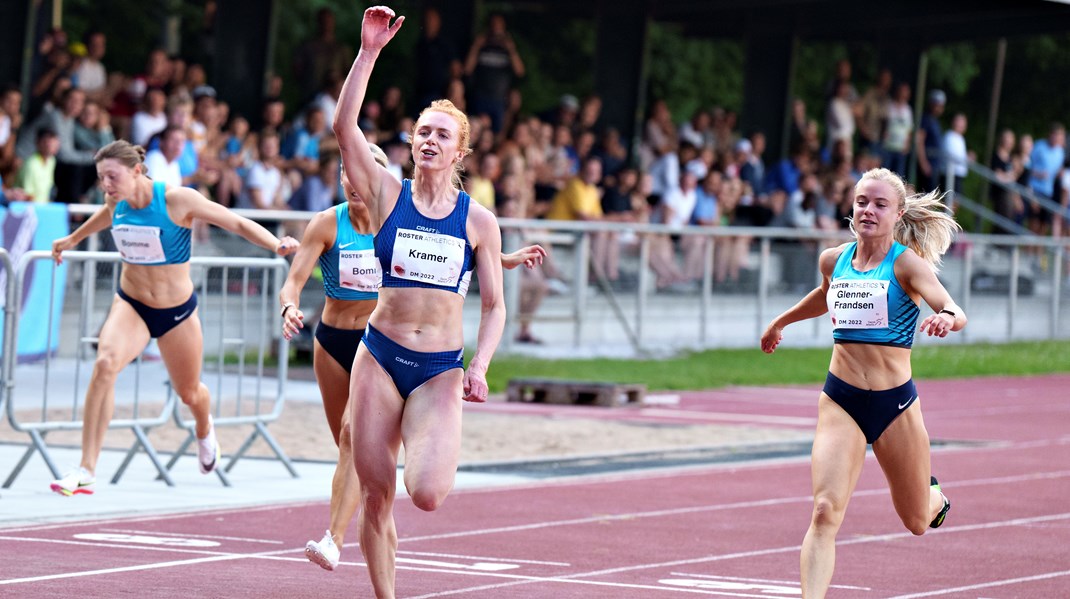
x,y
726,367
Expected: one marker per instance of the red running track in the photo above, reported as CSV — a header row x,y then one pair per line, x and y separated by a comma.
x,y
727,531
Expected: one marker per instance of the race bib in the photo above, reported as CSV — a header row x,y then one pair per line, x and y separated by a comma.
x,y
359,270
427,257
139,244
858,304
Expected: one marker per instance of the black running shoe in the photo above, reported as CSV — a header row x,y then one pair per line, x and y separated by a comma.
x,y
939,519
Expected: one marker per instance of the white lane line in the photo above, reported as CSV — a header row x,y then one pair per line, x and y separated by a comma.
x,y
985,585
191,535
763,580
729,416
716,507
185,562
484,559
572,578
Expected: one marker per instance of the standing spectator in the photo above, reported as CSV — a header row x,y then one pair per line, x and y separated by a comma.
x,y
10,122
436,60
37,175
679,203
898,126
391,111
874,111
590,114
839,116
1047,160
327,99
1006,203
955,152
492,65
697,131
799,123
927,142
151,119
306,148
842,75
322,57
612,151
162,163
263,186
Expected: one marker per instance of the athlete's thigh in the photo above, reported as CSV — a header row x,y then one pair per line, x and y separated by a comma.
x,y
431,426
903,453
375,412
124,335
838,453
181,349
333,381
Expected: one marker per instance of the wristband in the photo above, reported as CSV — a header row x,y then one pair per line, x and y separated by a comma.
x,y
946,311
286,307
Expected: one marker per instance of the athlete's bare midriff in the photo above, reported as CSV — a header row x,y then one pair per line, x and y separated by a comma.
x,y
426,320
351,315
161,286
868,366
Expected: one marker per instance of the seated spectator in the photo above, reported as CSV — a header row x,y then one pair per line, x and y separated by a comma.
x,y
162,162
236,154
616,207
581,199
613,153
75,170
151,118
703,215
1007,203
481,185
37,175
90,75
319,192
93,131
263,186
730,253
10,122
898,127
304,149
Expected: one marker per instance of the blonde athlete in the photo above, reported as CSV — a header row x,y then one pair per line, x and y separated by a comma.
x,y
872,288
155,300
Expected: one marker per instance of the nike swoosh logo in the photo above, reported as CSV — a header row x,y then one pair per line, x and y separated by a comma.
x,y
345,245
186,313
906,403
117,216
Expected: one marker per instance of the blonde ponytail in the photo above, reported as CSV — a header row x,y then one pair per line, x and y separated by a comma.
x,y
926,227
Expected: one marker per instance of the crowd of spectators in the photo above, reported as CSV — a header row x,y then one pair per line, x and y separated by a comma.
x,y
561,164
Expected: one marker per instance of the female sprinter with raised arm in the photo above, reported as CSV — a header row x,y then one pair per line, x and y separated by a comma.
x,y
408,378
151,226
341,239
873,287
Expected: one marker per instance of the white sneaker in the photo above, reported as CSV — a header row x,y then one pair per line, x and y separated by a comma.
x,y
325,552
75,482
208,450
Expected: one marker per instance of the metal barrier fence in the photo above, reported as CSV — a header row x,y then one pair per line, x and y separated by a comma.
x,y
230,316
7,344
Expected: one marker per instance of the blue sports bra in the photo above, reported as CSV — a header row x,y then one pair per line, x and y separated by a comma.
x,y
871,306
417,251
350,270
148,236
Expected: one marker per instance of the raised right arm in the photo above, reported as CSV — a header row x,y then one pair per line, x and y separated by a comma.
x,y
364,174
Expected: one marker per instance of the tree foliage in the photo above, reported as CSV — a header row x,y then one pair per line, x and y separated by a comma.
x,y
693,73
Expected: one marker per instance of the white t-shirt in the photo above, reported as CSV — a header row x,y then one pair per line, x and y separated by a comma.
x,y
955,148
681,203
840,120
91,75
145,125
5,128
161,170
267,180
900,124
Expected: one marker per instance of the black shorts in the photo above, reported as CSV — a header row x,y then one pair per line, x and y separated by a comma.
x,y
341,344
161,320
872,411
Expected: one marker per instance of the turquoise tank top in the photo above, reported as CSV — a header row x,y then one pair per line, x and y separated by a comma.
x,y
148,236
871,306
350,270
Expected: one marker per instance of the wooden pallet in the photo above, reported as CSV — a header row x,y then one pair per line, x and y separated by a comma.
x,y
555,391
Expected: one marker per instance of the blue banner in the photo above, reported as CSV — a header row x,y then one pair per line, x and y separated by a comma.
x,y
25,227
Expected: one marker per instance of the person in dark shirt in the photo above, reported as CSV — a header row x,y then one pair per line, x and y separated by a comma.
x,y
492,64
436,60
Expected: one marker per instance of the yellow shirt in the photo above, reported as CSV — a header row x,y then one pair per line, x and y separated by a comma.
x,y
482,191
575,200
37,177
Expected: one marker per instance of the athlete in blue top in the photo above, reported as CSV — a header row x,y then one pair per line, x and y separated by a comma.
x,y
155,299
872,287
408,381
341,239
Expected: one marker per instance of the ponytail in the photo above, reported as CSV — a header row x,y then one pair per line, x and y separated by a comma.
x,y
926,227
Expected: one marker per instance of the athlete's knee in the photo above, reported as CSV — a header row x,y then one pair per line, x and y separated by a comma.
x,y
428,499
345,435
827,512
190,392
107,365
375,500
